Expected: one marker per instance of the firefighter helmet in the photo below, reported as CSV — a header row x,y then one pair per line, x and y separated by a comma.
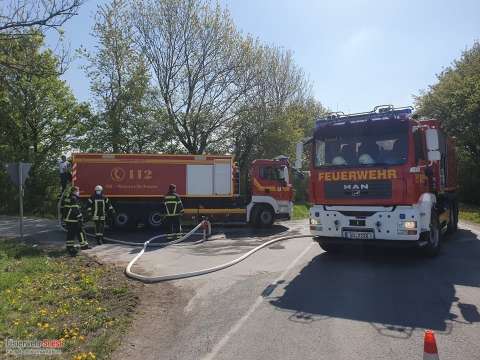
x,y
98,188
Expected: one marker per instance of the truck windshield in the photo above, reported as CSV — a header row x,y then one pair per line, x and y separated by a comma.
x,y
388,148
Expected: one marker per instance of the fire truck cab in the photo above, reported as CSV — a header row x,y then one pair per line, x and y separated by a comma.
x,y
382,177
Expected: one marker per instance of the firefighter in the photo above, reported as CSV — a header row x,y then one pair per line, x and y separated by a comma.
x,y
64,172
98,206
74,221
173,211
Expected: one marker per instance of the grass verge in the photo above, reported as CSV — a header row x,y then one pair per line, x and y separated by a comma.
x,y
48,295
469,213
300,211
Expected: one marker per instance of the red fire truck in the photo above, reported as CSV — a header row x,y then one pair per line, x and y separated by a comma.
x,y
208,185
382,177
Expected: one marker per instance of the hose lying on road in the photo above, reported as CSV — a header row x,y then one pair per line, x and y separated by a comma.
x,y
206,232
153,279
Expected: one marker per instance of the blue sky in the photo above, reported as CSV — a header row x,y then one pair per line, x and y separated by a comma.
x,y
357,53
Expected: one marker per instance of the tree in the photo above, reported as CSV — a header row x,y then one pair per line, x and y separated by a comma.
x,y
278,112
17,16
202,66
455,101
24,18
38,115
128,119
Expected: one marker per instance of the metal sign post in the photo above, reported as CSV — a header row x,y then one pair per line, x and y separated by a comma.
x,y
20,198
18,173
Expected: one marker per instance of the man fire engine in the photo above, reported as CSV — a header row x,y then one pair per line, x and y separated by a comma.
x,y
382,177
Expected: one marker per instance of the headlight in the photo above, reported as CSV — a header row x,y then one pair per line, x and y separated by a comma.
x,y
407,225
314,221
407,228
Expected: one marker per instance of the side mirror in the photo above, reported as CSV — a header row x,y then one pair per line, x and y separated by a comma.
x,y
434,155
432,139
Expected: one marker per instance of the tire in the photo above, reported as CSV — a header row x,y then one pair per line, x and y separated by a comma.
x,y
123,221
330,248
155,219
452,226
264,216
433,236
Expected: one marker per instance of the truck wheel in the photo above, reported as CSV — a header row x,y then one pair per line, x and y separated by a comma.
x,y
155,219
331,248
433,236
264,216
123,221
453,219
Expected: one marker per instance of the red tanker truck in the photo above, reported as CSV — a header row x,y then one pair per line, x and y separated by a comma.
x,y
208,185
382,177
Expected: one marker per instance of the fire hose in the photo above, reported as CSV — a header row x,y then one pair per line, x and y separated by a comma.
x,y
153,279
206,232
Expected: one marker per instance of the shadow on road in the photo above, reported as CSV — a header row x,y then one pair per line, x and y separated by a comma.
x,y
239,241
396,291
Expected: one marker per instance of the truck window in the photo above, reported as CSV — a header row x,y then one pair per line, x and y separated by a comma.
x,y
419,148
266,173
272,173
372,148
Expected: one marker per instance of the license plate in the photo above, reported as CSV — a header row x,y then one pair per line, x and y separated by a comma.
x,y
364,235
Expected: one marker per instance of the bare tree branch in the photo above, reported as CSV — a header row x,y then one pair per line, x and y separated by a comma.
x,y
18,15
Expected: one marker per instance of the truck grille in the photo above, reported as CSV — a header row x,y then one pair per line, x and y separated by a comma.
x,y
358,190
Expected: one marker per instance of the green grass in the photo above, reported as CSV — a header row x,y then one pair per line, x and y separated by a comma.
x,y
300,211
48,295
470,213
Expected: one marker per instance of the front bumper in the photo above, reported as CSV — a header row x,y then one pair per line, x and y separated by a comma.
x,y
375,242
285,210
331,223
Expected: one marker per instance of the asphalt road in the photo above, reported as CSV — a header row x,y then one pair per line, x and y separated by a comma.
x,y
293,301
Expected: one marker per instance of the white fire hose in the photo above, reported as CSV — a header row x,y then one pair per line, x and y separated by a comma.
x,y
206,232
153,279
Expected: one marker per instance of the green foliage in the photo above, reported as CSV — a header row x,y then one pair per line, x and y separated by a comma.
x,y
127,119
455,101
300,211
51,296
38,118
300,185
469,213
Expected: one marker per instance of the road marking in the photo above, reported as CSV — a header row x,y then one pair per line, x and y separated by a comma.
x,y
216,349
